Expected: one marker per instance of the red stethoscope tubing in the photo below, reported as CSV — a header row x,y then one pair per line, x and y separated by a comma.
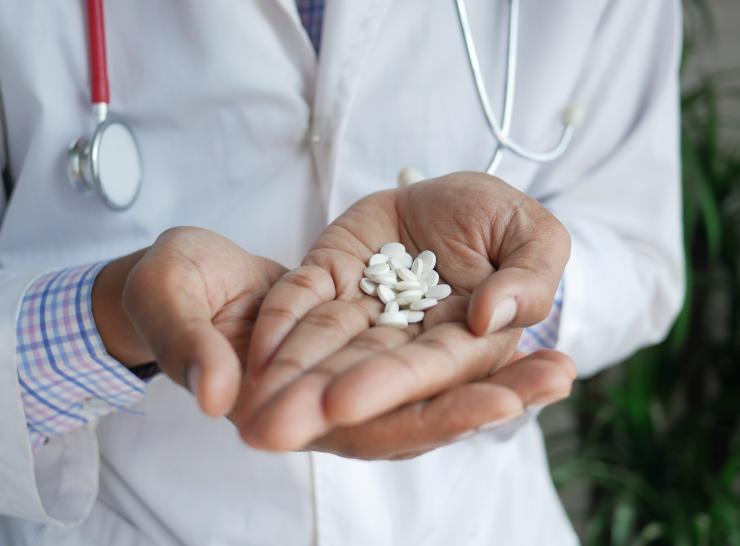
x,y
99,88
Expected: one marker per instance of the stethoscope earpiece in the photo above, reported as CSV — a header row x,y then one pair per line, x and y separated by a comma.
x,y
573,115
408,176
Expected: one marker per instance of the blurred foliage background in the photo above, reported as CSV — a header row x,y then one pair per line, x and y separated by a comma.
x,y
652,453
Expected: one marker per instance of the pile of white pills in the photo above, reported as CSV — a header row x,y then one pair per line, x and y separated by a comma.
x,y
407,286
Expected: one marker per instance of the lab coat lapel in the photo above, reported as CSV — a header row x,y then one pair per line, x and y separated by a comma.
x,y
290,8
349,30
291,12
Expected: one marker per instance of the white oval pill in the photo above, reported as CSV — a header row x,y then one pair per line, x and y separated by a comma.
x,y
405,274
409,296
397,320
388,278
423,304
393,250
391,307
385,294
431,278
376,259
377,269
417,268
412,317
439,292
407,259
395,263
402,286
429,259
368,286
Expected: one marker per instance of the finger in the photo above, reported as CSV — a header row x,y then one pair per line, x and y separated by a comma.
x,y
295,413
540,378
323,331
447,354
300,354
530,262
292,297
423,425
450,309
177,326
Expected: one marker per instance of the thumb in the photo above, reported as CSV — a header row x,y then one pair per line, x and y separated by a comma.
x,y
521,291
203,361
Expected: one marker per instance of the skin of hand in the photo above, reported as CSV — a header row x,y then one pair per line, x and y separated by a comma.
x,y
190,301
318,367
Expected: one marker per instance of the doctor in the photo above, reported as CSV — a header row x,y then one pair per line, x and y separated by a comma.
x,y
243,132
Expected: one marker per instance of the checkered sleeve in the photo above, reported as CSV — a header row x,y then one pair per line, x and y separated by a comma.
x,y
545,334
67,378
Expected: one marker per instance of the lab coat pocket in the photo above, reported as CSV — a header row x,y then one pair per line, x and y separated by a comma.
x,y
104,526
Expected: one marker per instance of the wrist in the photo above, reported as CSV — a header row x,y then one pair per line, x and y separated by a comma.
x,y
114,327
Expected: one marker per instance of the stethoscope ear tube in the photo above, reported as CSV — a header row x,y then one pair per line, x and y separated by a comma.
x,y
109,163
99,87
571,115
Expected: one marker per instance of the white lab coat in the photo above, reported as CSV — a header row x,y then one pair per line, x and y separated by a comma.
x,y
243,133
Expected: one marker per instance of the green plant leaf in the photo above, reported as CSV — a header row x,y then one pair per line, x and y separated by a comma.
x,y
623,522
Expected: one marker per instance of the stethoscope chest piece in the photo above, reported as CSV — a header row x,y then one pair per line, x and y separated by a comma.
x,y
108,164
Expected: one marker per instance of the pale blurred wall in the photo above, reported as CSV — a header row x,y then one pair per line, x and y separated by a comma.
x,y
722,53
725,51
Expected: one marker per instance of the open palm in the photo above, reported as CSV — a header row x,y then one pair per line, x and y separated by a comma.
x,y
321,365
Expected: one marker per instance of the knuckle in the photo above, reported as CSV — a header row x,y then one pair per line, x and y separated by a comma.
x,y
324,320
283,361
371,343
441,347
415,378
312,279
282,313
301,278
435,344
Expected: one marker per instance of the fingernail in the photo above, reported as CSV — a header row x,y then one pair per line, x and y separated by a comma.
x,y
492,425
547,399
193,379
465,435
503,314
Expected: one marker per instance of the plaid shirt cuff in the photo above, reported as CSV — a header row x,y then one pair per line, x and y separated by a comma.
x,y
545,334
67,378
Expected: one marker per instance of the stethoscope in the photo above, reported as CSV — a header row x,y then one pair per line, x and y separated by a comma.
x,y
109,163
572,114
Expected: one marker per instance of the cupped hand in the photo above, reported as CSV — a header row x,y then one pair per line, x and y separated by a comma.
x,y
189,303
539,379
321,367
